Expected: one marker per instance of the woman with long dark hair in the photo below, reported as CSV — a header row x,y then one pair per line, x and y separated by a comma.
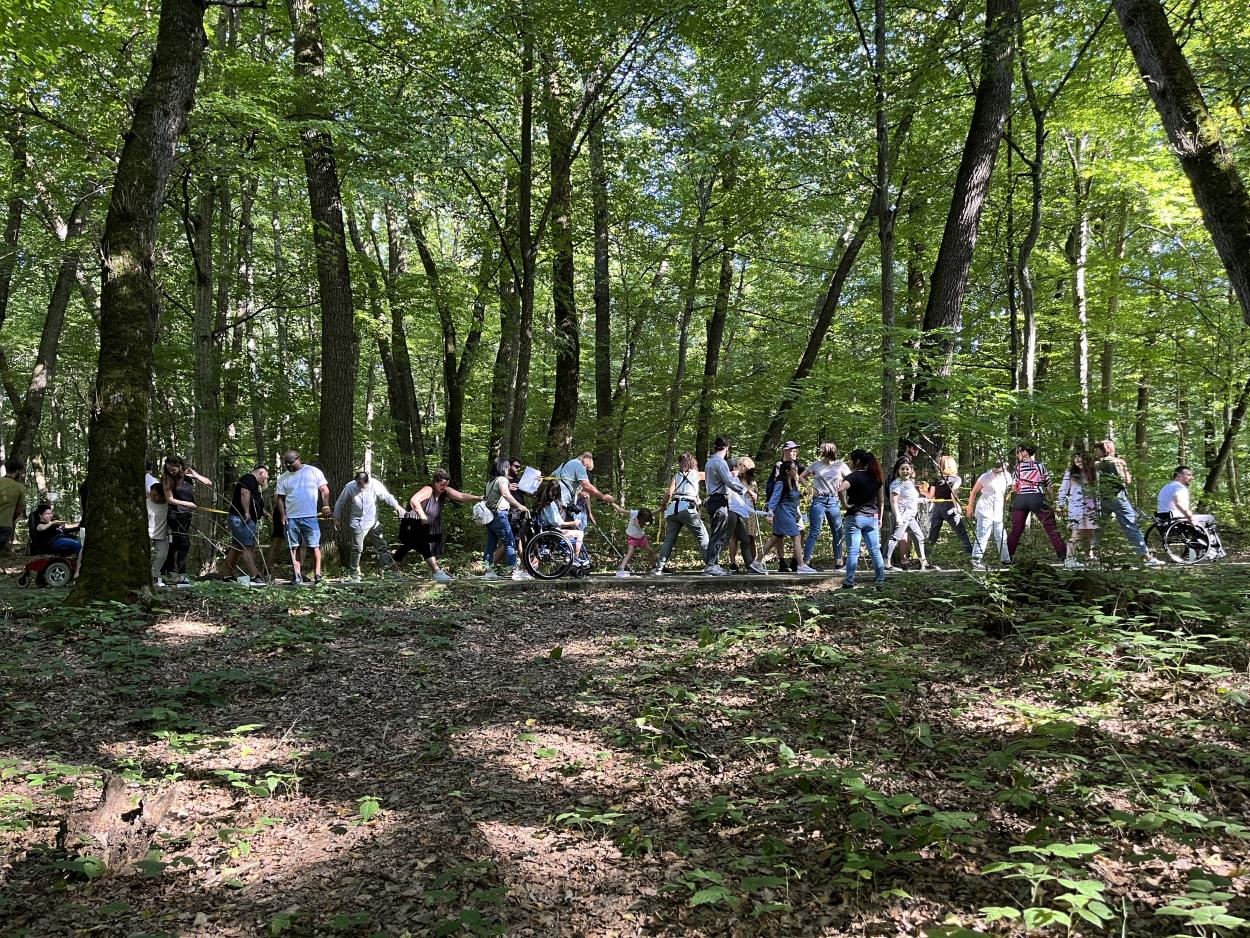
x,y
862,489
499,532
177,481
1079,504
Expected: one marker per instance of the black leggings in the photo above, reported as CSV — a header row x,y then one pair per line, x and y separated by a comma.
x,y
179,543
413,535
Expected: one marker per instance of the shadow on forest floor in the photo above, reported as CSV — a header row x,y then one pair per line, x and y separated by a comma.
x,y
462,762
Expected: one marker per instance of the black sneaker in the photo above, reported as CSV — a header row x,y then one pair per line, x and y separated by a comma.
x,y
848,586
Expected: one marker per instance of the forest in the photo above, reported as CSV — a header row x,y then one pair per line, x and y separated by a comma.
x,y
401,237
404,236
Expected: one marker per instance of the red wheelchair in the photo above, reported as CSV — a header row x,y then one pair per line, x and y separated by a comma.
x,y
49,571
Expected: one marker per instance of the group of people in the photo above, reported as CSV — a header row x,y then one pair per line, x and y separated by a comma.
x,y
851,498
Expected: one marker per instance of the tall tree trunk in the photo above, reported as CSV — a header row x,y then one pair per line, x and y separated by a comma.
x,y
118,563
944,313
703,194
394,391
715,335
605,436
1195,137
885,236
1140,437
525,239
1223,455
30,415
340,345
503,379
1079,257
1107,363
198,224
852,243
15,207
282,374
567,336
396,267
244,314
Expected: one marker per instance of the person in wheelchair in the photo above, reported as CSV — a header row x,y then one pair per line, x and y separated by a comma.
x,y
551,516
1173,507
1173,501
52,537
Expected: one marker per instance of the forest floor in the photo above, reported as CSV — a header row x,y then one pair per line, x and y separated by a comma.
x,y
1050,751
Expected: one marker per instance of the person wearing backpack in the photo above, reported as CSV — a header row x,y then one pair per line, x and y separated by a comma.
x,y
1029,486
1112,485
499,530
680,509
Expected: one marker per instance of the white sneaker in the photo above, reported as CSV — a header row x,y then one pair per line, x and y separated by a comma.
x,y
1071,563
519,574
658,571
243,580
715,570
757,567
1153,562
158,582
805,569
491,575
354,578
623,573
978,567
443,577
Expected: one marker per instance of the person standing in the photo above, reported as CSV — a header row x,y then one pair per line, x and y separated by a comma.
x,y
12,497
945,504
985,504
247,508
862,489
299,491
908,453
498,497
1078,502
158,523
720,481
746,518
1030,485
422,527
359,502
1113,482
789,451
783,515
178,480
680,509
574,479
905,505
826,473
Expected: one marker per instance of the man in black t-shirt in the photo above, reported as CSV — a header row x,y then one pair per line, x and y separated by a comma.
x,y
247,507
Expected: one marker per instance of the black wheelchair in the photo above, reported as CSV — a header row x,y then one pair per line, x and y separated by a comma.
x,y
1185,543
549,555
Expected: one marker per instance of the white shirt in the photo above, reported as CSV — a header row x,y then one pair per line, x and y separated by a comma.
x,y
300,489
826,476
634,529
739,505
908,497
993,494
158,512
363,502
1173,497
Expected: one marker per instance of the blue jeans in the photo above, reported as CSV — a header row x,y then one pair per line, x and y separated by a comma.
x,y
824,508
1122,508
242,533
499,531
868,528
63,546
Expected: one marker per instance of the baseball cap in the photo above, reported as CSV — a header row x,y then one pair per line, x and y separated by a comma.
x,y
790,444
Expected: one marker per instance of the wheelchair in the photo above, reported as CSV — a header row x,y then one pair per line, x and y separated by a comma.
x,y
1185,543
54,570
549,555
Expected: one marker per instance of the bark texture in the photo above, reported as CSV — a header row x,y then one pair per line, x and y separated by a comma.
x,y
119,563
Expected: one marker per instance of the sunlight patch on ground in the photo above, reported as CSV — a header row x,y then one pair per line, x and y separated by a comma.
x,y
181,631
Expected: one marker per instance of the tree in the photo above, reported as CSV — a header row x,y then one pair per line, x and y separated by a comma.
x,y
116,561
1195,137
340,344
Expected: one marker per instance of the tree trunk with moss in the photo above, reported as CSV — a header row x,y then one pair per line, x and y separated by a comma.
x,y
116,563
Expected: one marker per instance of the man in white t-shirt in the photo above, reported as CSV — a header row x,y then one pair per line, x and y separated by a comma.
x,y
985,504
299,491
1174,499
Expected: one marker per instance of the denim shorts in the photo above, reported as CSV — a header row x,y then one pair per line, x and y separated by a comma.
x,y
243,532
303,529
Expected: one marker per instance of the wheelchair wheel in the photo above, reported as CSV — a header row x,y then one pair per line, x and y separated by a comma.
x,y
1185,544
548,555
58,573
1154,539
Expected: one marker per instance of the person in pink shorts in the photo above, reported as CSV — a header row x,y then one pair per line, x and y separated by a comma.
x,y
636,538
